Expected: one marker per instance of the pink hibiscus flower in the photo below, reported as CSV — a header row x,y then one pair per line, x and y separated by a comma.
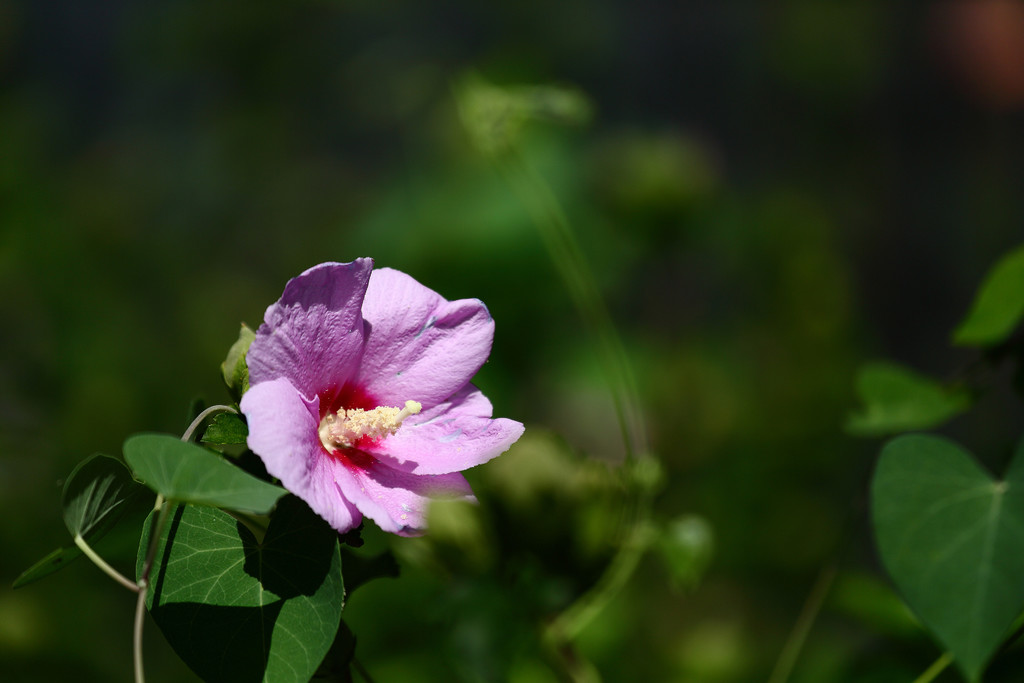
x,y
359,398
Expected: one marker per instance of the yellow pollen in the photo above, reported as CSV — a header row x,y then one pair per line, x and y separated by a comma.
x,y
344,428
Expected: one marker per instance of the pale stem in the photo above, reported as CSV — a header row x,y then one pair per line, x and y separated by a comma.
x,y
158,528
102,564
140,616
187,436
140,605
937,667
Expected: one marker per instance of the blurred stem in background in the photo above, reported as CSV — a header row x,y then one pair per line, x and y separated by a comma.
x,y
494,118
798,636
935,669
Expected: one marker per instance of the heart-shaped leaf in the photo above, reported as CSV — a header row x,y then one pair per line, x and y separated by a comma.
x,y
188,473
238,610
952,538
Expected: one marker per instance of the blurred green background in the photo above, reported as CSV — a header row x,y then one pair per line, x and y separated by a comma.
x,y
769,194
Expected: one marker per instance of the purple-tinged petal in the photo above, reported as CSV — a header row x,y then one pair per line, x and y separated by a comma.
x,y
283,432
398,501
451,437
419,346
469,400
313,334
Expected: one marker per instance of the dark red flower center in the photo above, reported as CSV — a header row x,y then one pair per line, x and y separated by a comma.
x,y
346,397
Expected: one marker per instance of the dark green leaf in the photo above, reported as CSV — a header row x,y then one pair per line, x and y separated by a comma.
x,y
226,429
952,539
897,399
58,559
189,473
234,368
96,494
237,610
335,668
359,568
998,306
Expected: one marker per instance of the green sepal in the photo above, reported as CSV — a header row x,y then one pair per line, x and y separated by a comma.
x,y
234,368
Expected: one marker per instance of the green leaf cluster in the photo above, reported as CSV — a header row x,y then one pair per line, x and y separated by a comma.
x,y
245,581
950,535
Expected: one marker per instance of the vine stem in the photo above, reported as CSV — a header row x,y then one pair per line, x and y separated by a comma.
x,y
571,264
162,507
102,564
937,667
140,605
187,436
572,620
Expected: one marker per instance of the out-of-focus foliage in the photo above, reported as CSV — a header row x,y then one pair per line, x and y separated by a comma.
x,y
767,196
998,307
897,399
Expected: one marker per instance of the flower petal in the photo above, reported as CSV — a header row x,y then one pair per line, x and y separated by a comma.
x,y
283,432
313,334
452,436
398,501
419,346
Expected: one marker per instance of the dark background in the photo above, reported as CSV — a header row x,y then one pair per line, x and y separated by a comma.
x,y
769,194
